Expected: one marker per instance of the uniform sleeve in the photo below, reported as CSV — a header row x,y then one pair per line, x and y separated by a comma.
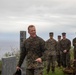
x,y
60,46
42,46
56,46
69,45
43,49
22,55
74,43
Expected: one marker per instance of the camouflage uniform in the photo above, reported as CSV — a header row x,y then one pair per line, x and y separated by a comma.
x,y
33,48
59,53
74,44
51,45
65,44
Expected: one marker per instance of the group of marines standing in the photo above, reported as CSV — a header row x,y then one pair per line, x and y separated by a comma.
x,y
36,50
59,51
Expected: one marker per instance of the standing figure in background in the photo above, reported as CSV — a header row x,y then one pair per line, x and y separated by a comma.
x,y
59,53
51,45
74,44
65,45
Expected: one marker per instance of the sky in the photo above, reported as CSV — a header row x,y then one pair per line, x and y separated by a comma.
x,y
47,15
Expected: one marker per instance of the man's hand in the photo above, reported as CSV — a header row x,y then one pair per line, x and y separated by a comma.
x,y
39,60
18,68
74,59
65,51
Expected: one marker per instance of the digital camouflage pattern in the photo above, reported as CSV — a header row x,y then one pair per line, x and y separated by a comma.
x,y
58,48
65,44
51,46
59,54
38,71
74,44
33,48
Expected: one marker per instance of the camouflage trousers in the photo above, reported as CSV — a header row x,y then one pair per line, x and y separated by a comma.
x,y
66,59
38,71
59,60
51,63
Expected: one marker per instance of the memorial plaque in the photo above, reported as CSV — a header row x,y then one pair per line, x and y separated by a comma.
x,y
22,38
8,65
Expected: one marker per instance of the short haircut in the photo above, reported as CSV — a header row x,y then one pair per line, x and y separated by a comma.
x,y
30,26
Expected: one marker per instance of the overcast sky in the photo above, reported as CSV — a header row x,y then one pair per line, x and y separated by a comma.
x,y
47,15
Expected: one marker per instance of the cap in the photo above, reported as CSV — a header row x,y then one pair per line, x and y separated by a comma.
x,y
63,33
59,36
51,33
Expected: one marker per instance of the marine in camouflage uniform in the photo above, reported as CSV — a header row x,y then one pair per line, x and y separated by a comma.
x,y
51,45
59,53
33,48
65,45
74,44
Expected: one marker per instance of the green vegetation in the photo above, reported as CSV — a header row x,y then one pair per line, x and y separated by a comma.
x,y
58,70
71,53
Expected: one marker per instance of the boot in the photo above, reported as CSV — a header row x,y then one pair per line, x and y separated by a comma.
x,y
53,69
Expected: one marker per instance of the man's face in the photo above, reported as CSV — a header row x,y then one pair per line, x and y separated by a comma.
x,y
32,31
64,36
59,38
51,37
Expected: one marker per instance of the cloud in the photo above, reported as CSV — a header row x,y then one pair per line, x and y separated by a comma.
x,y
47,15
